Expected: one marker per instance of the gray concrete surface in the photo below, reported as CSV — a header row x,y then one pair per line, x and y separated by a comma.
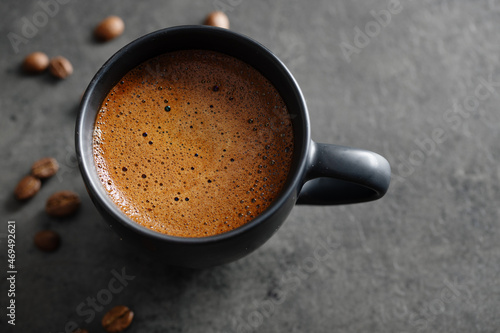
x,y
425,258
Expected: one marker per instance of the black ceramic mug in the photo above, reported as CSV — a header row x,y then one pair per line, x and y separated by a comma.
x,y
321,174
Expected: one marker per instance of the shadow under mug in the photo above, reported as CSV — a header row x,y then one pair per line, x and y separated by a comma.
x,y
321,174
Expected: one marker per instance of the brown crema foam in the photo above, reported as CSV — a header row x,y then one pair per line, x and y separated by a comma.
x,y
193,143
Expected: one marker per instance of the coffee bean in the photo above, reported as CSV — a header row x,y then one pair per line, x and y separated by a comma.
x,y
217,19
60,67
47,240
117,319
109,28
27,187
44,168
36,62
63,203
80,330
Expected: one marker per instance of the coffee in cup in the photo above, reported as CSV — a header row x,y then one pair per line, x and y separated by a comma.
x,y
193,143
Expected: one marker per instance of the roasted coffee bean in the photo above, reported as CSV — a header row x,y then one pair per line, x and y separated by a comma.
x,y
217,19
63,203
44,168
60,67
36,62
117,319
27,187
109,28
47,240
80,330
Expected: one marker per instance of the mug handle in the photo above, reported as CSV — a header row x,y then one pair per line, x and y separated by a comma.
x,y
342,175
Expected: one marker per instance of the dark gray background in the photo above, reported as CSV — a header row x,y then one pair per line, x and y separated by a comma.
x,y
425,258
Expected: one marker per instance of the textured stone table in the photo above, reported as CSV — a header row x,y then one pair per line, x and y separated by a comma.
x,y
417,81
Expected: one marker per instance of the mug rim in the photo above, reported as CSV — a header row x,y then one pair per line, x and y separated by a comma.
x,y
87,168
